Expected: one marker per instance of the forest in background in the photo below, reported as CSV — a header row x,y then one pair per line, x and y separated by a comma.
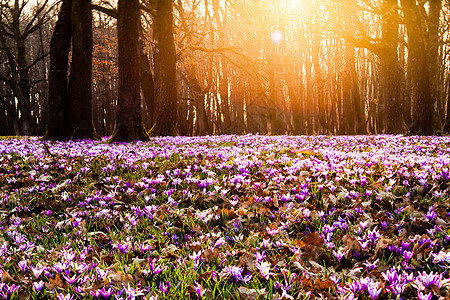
x,y
242,66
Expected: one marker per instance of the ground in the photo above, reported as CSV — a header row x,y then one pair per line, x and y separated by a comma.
x,y
226,217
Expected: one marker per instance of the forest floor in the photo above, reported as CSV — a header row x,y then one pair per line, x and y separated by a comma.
x,y
226,217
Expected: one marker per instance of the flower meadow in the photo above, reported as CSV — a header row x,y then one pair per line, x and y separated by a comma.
x,y
226,217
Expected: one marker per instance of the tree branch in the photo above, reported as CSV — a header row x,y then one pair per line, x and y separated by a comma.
x,y
113,13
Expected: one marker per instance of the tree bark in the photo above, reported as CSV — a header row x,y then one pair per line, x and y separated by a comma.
x,y
165,71
347,86
80,83
391,72
434,59
129,126
147,87
58,126
420,73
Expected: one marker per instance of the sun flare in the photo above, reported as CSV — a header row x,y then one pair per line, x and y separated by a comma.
x,y
277,36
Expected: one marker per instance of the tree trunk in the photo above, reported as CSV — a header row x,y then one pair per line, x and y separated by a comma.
x,y
420,73
147,87
58,127
80,83
319,84
446,128
165,70
434,59
224,86
27,124
129,126
347,85
391,72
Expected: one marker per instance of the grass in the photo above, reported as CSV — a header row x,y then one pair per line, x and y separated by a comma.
x,y
227,217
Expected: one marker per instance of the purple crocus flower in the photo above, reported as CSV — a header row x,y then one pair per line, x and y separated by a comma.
x,y
370,266
431,215
123,248
408,255
105,294
422,296
156,270
23,265
373,288
425,280
71,280
37,271
198,290
339,254
391,276
64,297
37,286
235,271
165,287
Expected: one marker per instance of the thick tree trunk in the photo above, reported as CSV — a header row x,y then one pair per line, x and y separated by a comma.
x,y
434,59
129,126
80,83
58,126
391,72
165,71
147,87
446,128
420,74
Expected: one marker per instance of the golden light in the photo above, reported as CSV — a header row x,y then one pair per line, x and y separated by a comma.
x,y
277,36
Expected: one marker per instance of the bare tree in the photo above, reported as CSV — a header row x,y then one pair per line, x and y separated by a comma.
x,y
129,126
16,27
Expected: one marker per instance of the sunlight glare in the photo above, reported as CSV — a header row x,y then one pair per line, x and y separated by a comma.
x,y
277,36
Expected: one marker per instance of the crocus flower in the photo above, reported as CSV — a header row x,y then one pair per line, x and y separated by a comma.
x,y
370,266
37,286
408,255
373,288
422,296
23,265
426,280
71,280
64,297
156,270
198,290
123,248
37,271
235,271
264,268
105,294
165,287
133,293
272,231
442,257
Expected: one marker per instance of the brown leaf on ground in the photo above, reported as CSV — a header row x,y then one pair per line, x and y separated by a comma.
x,y
324,284
5,277
251,294
228,214
54,283
211,255
170,251
380,246
119,278
314,238
351,244
205,277
421,252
